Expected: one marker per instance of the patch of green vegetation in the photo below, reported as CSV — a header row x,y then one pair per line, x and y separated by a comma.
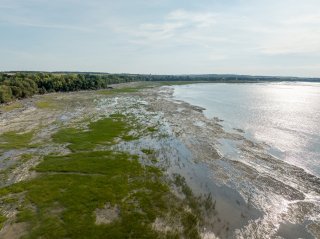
x,y
138,86
152,129
148,151
26,157
130,137
89,181
171,83
102,132
120,90
191,200
45,105
15,140
25,215
11,106
209,204
9,200
191,224
2,220
61,202
96,162
151,155
5,172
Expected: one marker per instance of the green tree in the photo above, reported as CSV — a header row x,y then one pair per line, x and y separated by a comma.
x,y
5,94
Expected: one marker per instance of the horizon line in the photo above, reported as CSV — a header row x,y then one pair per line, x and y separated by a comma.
x,y
157,74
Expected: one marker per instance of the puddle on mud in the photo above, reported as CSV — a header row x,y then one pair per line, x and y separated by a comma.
x,y
175,158
294,231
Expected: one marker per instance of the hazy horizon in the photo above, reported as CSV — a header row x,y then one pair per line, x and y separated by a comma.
x,y
242,37
128,73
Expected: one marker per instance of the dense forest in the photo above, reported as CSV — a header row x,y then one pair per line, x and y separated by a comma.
x,y
22,85
18,85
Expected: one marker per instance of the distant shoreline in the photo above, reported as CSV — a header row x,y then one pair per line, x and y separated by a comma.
x,y
19,85
239,76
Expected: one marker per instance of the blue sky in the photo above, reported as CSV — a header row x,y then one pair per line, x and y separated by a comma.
x,y
259,37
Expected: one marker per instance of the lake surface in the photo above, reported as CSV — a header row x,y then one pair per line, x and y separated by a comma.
x,y
285,116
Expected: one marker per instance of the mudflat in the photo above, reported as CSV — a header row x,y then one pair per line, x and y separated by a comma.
x,y
134,162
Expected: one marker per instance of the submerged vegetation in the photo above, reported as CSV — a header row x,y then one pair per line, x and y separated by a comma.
x,y
96,192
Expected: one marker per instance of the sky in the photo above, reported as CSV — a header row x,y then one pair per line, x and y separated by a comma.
x,y
256,37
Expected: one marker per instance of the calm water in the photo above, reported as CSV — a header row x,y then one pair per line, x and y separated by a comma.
x,y
286,116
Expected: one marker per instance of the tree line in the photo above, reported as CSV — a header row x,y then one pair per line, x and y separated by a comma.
x,y
18,85
22,85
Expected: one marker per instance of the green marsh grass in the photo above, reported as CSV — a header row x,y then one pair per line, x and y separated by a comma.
x,y
2,220
15,140
102,132
119,90
11,106
61,201
45,105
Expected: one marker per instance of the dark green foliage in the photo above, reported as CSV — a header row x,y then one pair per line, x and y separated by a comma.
x,y
19,85
22,85
5,94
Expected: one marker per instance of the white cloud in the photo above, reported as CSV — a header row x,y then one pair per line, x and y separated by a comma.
x,y
303,19
245,36
55,26
237,35
197,19
296,35
19,15
177,28
292,42
39,24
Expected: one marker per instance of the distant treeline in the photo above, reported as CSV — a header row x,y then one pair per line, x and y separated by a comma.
x,y
18,85
22,85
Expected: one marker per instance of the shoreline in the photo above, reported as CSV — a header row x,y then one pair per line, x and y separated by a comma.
x,y
295,141
299,192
